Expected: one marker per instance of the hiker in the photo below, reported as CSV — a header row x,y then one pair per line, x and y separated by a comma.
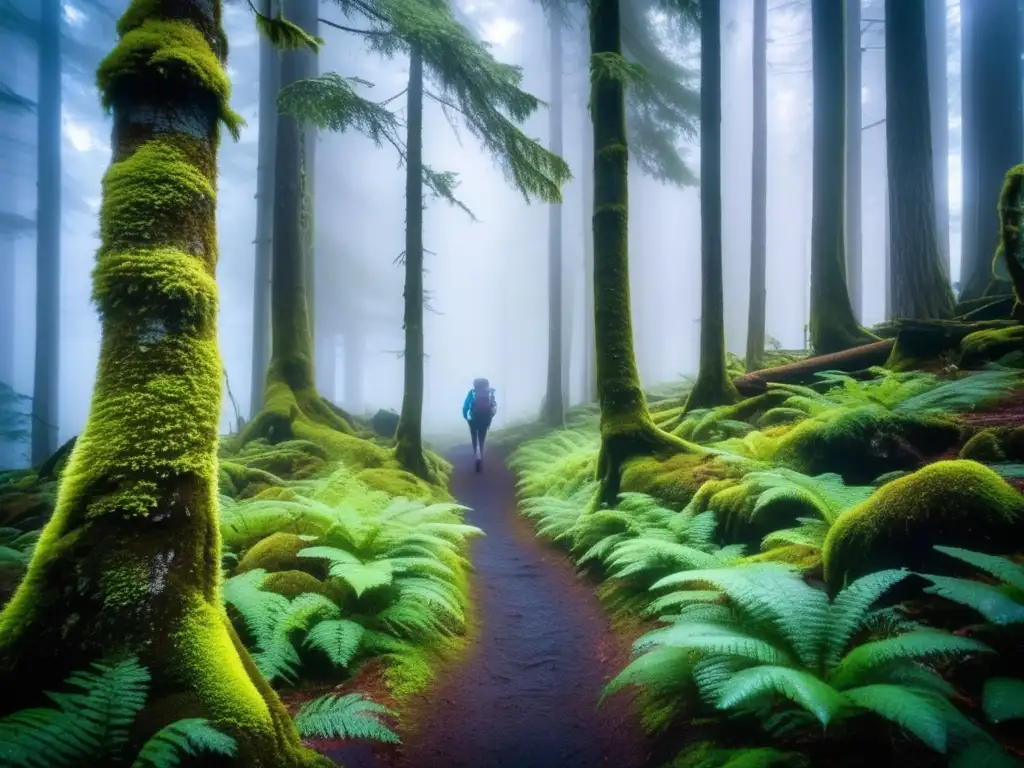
x,y
478,409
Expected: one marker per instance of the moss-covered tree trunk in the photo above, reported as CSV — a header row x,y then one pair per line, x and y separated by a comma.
x,y
589,368
854,158
130,560
759,192
292,405
993,122
833,325
713,386
554,407
46,389
270,72
1011,249
919,285
409,437
626,426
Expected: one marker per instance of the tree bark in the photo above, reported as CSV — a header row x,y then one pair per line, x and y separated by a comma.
x,y
759,192
270,74
589,369
409,436
130,560
997,132
8,295
292,405
46,388
920,289
938,105
713,386
554,407
626,427
854,117
833,325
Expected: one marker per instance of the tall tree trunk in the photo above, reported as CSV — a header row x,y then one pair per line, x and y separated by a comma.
x,y
46,389
270,74
589,369
326,345
758,192
938,105
409,436
887,260
833,325
918,282
854,117
554,407
292,405
626,427
130,560
968,148
993,95
713,386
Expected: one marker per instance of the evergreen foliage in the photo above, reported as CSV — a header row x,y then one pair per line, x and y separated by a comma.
x,y
344,717
91,727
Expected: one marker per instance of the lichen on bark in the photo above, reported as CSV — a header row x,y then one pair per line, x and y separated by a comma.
x,y
130,560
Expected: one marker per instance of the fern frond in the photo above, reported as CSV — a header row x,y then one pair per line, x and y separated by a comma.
x,y
811,532
338,639
666,669
802,688
715,640
919,645
851,607
991,602
913,711
187,737
1003,699
344,717
1005,570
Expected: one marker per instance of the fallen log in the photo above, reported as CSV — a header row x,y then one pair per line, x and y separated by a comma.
x,y
801,372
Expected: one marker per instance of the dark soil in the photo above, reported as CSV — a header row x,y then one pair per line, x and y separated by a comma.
x,y
524,693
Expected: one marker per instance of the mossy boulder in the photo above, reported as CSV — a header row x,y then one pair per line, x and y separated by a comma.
x,y
862,443
982,347
954,503
242,482
280,552
294,583
983,447
395,483
779,416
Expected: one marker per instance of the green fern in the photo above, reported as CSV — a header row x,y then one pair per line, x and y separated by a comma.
x,y
1000,605
1003,699
344,717
771,637
91,725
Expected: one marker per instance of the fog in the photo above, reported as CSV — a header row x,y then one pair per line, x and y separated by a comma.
x,y
487,279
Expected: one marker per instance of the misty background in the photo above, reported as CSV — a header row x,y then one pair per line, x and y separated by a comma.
x,y
486,280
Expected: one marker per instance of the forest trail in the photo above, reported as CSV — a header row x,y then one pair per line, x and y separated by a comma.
x,y
524,693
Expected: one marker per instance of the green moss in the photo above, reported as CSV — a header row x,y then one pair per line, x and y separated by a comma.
x,y
165,60
676,479
981,347
953,503
395,482
280,552
294,583
291,460
862,443
983,447
804,558
246,482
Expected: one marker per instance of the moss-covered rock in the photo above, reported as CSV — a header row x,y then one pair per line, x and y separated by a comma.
x,y
675,480
294,583
983,447
862,443
280,552
242,482
778,416
395,482
985,346
291,460
954,503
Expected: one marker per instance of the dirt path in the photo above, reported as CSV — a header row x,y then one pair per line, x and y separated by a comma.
x,y
524,694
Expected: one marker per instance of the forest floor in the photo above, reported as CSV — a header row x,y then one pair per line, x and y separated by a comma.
x,y
523,694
